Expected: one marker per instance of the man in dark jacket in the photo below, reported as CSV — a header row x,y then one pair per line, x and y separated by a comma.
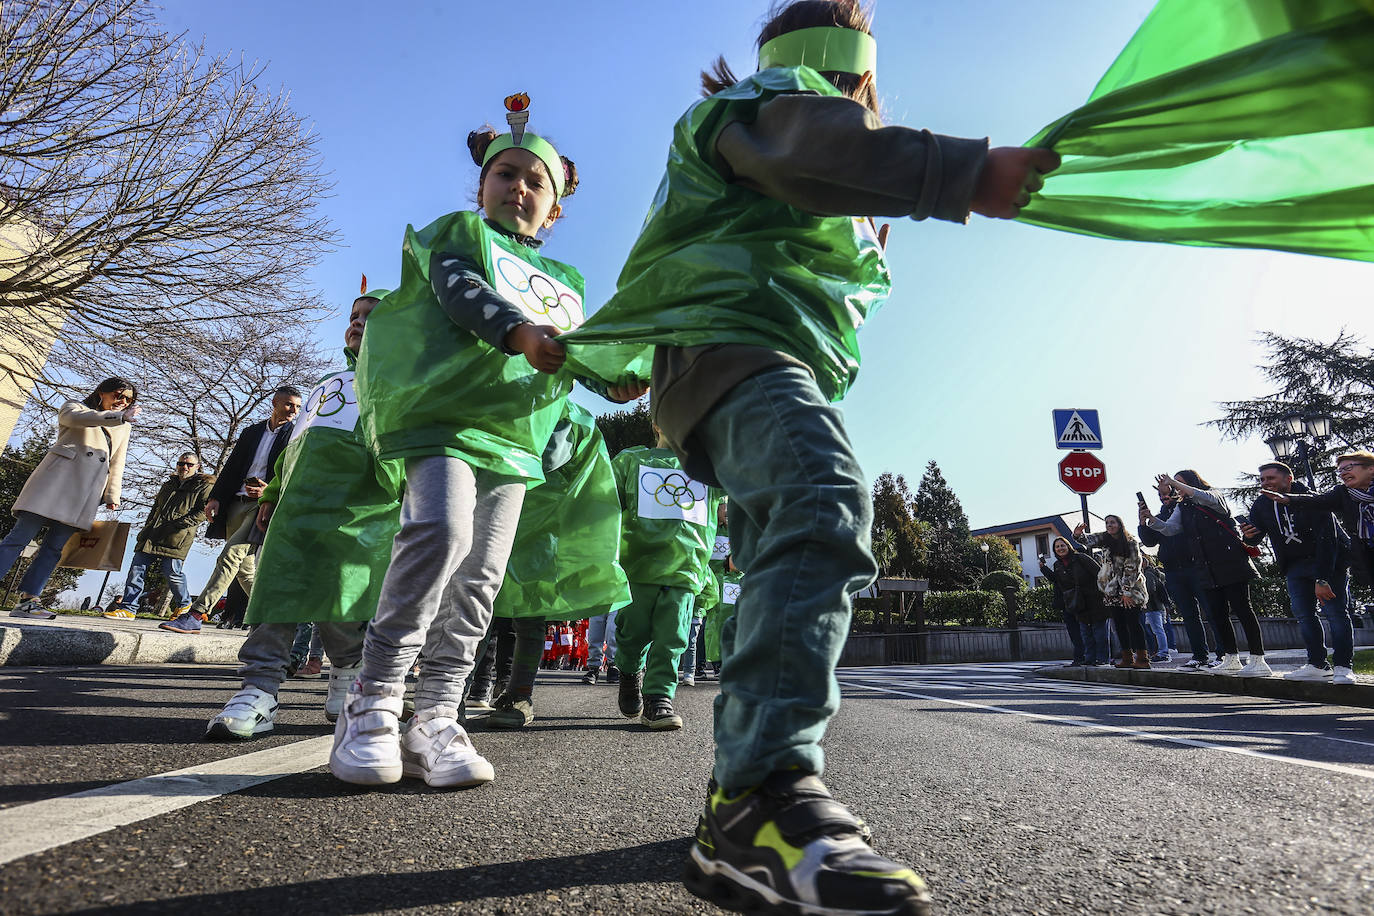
x,y
167,535
1352,503
1183,582
233,504
1313,554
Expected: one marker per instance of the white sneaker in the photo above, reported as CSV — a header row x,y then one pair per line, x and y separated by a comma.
x,y
1230,664
367,745
1341,675
251,711
437,749
1308,673
687,680
339,679
1258,667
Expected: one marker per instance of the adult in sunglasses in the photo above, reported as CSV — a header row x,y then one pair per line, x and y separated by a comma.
x,y
82,470
167,536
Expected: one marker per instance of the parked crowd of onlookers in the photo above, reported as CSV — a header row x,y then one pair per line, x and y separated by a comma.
x,y
1203,568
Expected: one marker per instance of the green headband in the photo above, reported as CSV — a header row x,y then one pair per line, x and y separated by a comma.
x,y
826,48
377,294
534,144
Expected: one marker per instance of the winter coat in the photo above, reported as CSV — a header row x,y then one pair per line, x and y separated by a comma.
x,y
234,470
1316,536
1078,571
82,471
178,510
1212,538
1120,575
1174,550
1159,595
1347,511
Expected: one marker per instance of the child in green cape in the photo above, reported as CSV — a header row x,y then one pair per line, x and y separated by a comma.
x,y
755,268
451,381
324,555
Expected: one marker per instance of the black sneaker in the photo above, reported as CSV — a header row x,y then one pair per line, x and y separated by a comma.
x,y
631,703
590,676
612,674
659,715
787,847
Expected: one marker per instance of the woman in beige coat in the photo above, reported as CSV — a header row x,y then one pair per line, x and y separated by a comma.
x,y
83,469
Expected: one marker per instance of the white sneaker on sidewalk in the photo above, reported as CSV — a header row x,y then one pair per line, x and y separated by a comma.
x,y
1230,664
251,711
367,744
1308,673
339,679
1258,667
437,749
1341,675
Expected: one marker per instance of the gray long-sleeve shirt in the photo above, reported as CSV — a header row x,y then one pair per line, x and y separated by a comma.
x,y
1174,523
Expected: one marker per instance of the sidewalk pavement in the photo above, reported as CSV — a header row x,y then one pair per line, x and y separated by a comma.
x,y
1168,675
76,640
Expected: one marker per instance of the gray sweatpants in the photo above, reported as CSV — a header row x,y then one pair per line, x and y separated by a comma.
x,y
447,564
265,653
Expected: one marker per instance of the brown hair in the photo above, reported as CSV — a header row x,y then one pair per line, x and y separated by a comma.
x,y
483,137
114,383
1364,458
807,14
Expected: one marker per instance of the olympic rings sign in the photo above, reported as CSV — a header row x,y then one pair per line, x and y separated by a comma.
x,y
671,494
729,592
542,298
332,403
722,548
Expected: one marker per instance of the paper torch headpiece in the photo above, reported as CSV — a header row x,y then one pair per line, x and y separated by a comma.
x,y
517,116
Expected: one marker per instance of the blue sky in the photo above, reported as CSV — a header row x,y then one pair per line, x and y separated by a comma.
x,y
990,326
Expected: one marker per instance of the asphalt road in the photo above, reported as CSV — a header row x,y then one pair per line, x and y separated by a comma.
x,y
1011,795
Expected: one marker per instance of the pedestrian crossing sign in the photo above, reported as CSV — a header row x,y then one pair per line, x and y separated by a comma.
x,y
1076,428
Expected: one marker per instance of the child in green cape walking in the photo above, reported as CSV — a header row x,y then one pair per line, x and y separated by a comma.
x,y
745,291
325,551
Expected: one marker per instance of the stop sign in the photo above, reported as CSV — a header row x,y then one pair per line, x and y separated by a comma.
x,y
1082,472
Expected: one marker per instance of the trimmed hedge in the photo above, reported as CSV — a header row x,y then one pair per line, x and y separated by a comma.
x,y
966,609
999,579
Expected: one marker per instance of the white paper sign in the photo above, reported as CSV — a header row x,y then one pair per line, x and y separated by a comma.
x,y
722,548
666,493
544,299
332,403
729,592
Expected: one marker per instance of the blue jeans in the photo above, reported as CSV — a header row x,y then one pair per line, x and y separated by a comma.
x,y
1097,647
138,571
1156,640
1185,589
26,526
688,665
1075,636
1302,597
800,513
600,629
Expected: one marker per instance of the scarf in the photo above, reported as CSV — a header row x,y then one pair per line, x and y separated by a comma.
x,y
1365,500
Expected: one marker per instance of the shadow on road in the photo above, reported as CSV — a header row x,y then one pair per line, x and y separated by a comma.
x,y
368,893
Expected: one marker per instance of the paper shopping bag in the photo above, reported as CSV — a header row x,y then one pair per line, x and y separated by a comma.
x,y
100,548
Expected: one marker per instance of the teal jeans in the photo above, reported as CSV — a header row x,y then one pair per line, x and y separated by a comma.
x,y
800,514
651,634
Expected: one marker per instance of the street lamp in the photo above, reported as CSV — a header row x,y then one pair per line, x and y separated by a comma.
x,y
1293,442
984,545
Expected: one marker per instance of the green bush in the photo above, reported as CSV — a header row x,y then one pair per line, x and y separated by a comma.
x,y
999,579
1269,598
1037,605
966,608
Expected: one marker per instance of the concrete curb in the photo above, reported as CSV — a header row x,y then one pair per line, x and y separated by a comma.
x,y
32,645
1275,688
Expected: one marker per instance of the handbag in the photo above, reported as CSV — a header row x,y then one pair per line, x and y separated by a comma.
x,y
1073,600
1250,549
100,548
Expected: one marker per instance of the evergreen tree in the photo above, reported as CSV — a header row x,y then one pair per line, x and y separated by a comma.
x,y
624,429
16,464
898,540
949,542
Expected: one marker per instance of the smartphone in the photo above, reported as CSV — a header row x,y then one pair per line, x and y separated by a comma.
x,y
255,482
1243,519
1140,498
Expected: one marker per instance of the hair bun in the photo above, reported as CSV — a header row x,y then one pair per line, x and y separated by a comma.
x,y
570,178
479,140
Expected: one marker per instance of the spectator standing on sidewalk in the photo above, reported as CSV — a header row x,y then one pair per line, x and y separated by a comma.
x,y
1156,614
83,470
1314,556
1203,517
1074,575
1123,587
1184,581
233,505
1352,502
167,536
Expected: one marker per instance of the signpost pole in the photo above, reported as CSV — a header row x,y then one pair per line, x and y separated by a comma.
x,y
1084,498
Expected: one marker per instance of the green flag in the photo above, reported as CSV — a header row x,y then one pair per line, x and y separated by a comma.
x,y
1231,123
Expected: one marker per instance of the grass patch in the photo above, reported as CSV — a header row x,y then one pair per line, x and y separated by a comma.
x,y
1364,661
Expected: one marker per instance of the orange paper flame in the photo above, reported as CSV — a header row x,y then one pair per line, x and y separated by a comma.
x,y
518,102
364,289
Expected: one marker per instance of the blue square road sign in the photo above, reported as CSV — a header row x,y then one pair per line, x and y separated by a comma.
x,y
1076,428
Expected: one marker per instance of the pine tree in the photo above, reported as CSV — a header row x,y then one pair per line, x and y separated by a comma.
x,y
898,539
937,506
624,429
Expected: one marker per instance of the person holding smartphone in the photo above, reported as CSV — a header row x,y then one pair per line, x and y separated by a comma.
x,y
233,505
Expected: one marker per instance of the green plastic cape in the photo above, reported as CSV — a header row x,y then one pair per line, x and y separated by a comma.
x,y
329,542
428,387
668,520
718,263
564,564
1233,123
716,617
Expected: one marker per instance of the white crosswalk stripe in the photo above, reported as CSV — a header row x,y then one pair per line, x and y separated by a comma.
x,y
1005,677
